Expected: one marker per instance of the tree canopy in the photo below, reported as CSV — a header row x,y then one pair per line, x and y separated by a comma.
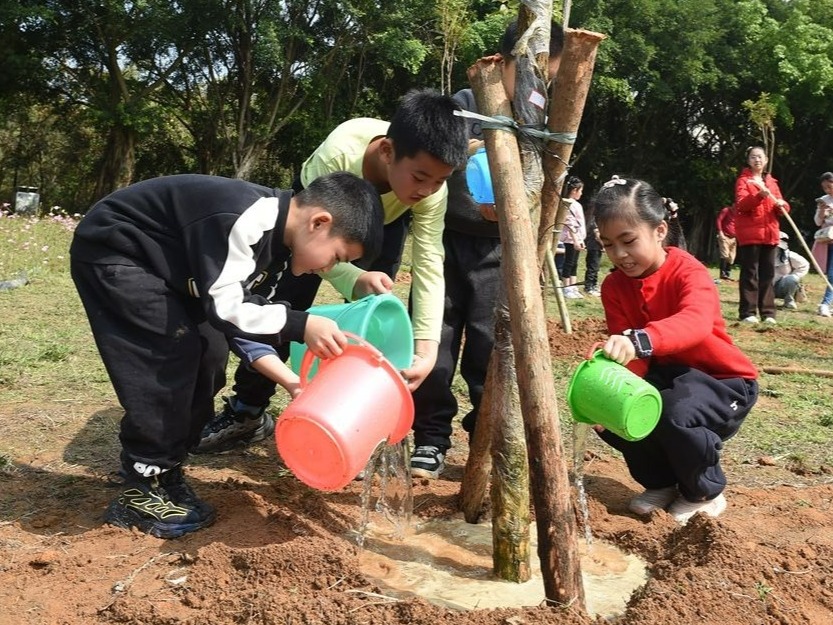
x,y
123,91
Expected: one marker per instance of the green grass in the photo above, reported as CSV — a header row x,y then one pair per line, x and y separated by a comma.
x,y
48,358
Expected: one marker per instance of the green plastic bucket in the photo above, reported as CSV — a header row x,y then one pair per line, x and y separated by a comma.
x,y
381,320
603,392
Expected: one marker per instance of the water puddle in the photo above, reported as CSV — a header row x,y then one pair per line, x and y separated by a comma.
x,y
449,563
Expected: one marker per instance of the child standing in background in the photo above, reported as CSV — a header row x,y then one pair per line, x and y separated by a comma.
x,y
665,322
593,258
572,235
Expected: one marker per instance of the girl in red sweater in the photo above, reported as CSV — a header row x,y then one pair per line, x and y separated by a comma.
x,y
665,323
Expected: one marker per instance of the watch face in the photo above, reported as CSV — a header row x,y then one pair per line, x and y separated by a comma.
x,y
643,341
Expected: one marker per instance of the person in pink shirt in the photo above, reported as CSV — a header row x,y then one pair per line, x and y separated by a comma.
x,y
665,323
727,245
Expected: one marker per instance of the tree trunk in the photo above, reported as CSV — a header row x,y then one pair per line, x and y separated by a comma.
x,y
116,169
475,480
510,467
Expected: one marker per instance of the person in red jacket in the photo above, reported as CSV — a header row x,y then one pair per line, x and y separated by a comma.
x,y
726,242
665,323
758,207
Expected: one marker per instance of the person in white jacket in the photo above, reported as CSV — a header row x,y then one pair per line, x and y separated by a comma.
x,y
790,268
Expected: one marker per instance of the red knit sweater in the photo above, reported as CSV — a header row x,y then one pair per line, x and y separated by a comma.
x,y
679,307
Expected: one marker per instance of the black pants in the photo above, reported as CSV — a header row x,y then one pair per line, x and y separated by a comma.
x,y
166,363
472,276
256,390
592,262
699,412
757,269
570,266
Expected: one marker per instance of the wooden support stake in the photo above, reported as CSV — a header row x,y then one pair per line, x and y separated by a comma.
x,y
555,515
568,95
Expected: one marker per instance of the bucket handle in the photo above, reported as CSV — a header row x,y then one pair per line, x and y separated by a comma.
x,y
309,357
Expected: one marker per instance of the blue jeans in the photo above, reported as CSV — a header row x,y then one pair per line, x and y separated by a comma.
x,y
828,294
786,288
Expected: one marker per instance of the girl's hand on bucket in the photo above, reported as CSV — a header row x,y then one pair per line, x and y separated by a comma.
x,y
619,349
323,337
372,282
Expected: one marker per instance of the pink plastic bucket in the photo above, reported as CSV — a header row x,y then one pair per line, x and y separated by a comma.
x,y
356,400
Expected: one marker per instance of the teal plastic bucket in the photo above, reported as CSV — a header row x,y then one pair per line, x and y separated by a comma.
x,y
381,320
603,392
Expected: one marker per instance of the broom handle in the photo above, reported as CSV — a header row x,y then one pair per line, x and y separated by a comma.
x,y
807,249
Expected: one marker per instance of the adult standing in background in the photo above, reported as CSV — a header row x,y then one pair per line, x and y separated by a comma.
x,y
727,245
758,206
821,251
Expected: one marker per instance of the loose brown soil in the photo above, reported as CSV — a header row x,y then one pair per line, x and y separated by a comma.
x,y
279,551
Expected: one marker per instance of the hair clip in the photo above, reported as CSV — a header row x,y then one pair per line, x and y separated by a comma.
x,y
614,180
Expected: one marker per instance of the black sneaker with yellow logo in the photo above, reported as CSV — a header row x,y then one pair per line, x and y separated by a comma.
x,y
162,505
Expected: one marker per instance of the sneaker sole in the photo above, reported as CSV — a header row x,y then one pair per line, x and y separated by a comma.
x,y
426,473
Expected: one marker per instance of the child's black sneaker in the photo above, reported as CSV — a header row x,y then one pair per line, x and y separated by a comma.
x,y
428,461
163,506
232,428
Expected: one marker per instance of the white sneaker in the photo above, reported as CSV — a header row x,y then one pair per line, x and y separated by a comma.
x,y
571,293
790,305
653,499
824,310
750,319
770,320
683,509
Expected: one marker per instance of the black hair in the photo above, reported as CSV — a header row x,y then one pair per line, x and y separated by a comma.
x,y
425,121
572,182
826,177
355,206
510,40
636,202
675,236
753,147
632,201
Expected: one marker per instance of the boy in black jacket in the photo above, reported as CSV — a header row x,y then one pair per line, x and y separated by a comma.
x,y
164,269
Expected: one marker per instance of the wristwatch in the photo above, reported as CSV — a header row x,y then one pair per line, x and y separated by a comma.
x,y
641,342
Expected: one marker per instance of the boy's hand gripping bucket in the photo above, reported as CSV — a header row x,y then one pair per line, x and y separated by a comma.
x,y
381,320
357,400
605,393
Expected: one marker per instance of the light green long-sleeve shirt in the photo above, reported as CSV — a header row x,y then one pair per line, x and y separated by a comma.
x,y
343,150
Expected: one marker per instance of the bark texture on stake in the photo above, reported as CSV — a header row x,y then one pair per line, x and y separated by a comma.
x,y
568,95
556,519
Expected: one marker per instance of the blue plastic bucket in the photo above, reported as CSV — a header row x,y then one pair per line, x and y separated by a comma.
x,y
479,178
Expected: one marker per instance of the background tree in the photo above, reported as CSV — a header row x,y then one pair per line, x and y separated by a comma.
x,y
126,91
